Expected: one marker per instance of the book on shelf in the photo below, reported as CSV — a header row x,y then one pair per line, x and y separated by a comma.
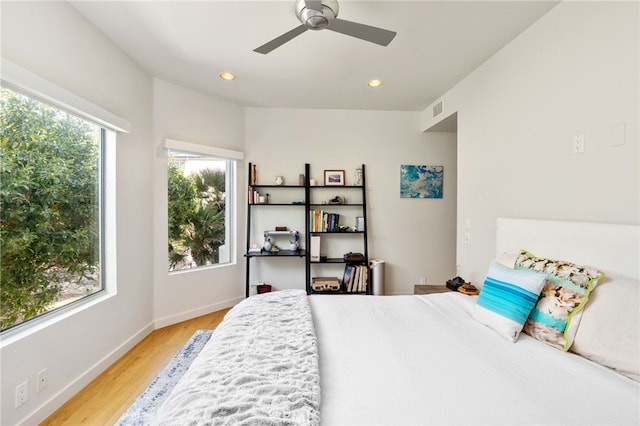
x,y
364,279
254,196
355,278
314,248
321,221
354,282
347,278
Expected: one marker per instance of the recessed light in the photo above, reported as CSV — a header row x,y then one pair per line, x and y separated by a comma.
x,y
374,83
227,76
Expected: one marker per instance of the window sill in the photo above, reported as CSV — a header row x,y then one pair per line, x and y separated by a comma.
x,y
36,325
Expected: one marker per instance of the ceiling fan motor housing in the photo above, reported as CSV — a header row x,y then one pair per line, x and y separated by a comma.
x,y
314,19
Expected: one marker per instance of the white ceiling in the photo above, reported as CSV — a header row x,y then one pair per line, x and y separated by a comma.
x,y
190,42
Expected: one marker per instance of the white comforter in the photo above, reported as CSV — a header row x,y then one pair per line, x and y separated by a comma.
x,y
259,368
422,360
389,360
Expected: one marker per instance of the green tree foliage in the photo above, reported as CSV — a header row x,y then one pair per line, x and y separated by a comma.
x,y
49,201
196,216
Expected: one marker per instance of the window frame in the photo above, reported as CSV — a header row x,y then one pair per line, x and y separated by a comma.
x,y
231,207
26,83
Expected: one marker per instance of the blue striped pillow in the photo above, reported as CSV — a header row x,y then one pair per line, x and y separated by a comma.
x,y
507,298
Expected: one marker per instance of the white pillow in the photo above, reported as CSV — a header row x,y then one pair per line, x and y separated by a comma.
x,y
507,298
609,331
507,259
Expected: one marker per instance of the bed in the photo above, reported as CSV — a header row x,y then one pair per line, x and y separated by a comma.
x,y
287,358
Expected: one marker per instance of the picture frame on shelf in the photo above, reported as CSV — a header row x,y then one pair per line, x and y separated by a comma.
x,y
334,177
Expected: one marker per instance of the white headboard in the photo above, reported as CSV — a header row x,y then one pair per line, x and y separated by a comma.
x,y
613,248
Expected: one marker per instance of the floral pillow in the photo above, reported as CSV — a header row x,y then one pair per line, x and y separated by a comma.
x,y
555,317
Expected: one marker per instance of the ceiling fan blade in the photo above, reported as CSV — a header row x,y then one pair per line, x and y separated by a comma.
x,y
362,31
279,41
314,4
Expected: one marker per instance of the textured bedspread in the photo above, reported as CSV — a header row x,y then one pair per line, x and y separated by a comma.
x,y
260,368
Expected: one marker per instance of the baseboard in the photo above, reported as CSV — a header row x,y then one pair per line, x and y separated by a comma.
x,y
56,401
184,316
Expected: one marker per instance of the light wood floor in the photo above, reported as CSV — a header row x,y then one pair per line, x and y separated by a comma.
x,y
103,401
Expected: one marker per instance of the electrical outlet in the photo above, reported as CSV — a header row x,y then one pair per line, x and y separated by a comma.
x,y
42,379
22,393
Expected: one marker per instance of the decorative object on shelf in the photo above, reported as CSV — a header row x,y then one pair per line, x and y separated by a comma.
x,y
297,202
325,284
271,237
359,224
334,177
312,182
353,257
255,248
254,174
337,200
301,180
263,288
358,177
262,199
295,244
279,180
421,181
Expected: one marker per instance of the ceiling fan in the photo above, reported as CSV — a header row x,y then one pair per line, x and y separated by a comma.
x,y
321,14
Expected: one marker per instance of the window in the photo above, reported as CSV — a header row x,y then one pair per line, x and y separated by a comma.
x,y
51,211
200,206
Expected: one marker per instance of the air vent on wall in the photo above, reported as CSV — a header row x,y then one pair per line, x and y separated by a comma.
x,y
437,109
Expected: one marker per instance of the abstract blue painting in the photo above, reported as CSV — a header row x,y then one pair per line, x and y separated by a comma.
x,y
421,181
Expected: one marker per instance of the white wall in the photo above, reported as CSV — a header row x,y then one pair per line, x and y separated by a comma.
x,y
574,72
189,116
414,236
53,41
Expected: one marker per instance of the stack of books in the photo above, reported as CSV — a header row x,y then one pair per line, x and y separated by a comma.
x,y
355,278
321,221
